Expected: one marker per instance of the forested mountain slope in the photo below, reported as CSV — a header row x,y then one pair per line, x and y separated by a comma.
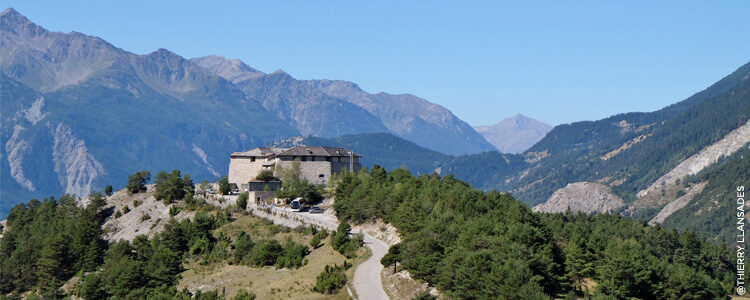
x,y
629,151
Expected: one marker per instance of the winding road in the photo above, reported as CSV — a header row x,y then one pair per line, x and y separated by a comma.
x,y
366,282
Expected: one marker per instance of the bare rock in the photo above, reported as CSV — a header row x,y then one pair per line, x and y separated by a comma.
x,y
677,204
586,197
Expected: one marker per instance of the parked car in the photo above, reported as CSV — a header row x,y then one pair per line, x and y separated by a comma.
x,y
316,210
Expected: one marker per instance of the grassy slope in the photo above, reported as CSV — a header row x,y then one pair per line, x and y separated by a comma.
x,y
266,282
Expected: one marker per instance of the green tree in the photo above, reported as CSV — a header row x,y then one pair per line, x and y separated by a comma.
x,y
173,186
108,190
137,181
242,200
331,279
224,186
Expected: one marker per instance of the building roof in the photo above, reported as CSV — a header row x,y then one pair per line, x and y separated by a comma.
x,y
317,151
258,152
296,151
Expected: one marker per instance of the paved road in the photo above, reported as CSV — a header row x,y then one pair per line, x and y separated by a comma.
x,y
366,282
366,279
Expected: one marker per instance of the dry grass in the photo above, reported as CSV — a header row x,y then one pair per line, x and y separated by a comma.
x,y
266,282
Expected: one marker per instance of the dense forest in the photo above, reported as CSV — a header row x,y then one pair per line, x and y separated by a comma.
x,y
472,244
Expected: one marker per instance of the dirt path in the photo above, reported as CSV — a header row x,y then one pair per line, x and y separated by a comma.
x,y
366,282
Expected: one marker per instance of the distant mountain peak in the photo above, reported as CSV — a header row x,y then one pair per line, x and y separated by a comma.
x,y
233,70
11,12
514,134
15,21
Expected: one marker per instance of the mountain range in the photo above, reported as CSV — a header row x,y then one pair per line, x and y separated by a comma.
x,y
79,112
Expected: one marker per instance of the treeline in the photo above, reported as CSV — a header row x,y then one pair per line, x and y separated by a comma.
x,y
472,244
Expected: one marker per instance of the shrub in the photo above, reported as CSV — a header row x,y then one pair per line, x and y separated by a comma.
x,y
145,217
425,295
118,214
173,211
331,279
136,203
317,238
266,175
244,295
125,209
242,201
108,190
315,242
137,182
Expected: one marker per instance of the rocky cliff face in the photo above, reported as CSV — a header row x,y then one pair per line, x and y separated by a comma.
x,y
514,134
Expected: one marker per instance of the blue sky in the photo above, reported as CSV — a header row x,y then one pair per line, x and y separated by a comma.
x,y
557,61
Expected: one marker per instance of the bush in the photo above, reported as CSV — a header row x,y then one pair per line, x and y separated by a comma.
x,y
244,295
425,295
315,242
317,238
108,190
145,217
137,182
331,279
125,210
266,175
118,214
242,200
173,211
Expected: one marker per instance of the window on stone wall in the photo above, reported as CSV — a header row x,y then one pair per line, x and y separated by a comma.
x,y
322,175
252,158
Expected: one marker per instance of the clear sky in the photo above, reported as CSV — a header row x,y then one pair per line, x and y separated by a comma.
x,y
557,61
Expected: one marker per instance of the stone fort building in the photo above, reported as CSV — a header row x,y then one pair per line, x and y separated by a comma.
x,y
317,164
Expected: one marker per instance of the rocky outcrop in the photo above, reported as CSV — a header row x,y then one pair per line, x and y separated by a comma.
x,y
75,167
677,204
706,157
16,149
134,223
586,197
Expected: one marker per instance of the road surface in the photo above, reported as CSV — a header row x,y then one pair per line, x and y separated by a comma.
x,y
366,282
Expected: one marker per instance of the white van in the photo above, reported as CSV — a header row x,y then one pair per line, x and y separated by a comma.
x,y
296,205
